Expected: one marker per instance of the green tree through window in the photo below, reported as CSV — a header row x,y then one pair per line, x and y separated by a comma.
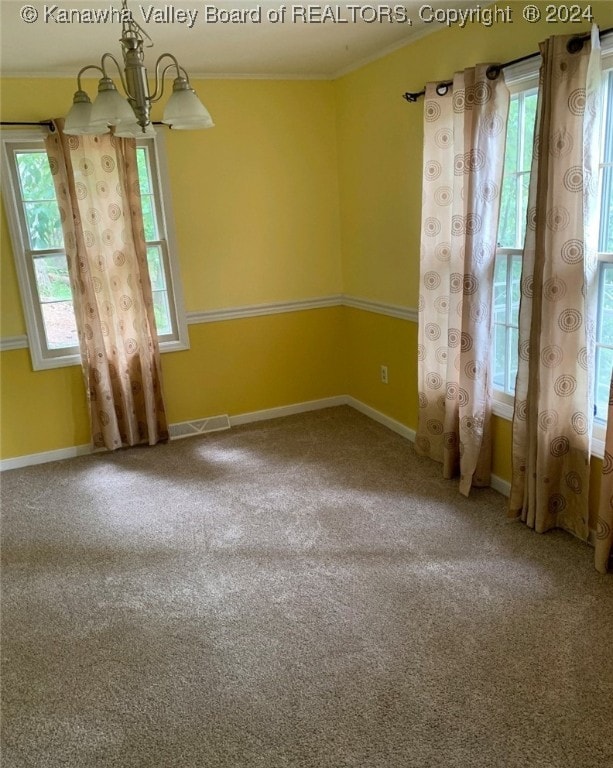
x,y
38,246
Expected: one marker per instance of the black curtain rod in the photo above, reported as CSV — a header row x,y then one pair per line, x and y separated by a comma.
x,y
574,45
49,123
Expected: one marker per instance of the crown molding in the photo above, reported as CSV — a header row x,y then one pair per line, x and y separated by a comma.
x,y
62,75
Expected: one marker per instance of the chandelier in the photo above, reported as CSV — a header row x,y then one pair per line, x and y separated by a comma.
x,y
130,116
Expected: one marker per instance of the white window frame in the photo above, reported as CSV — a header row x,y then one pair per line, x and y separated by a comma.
x,y
523,77
604,257
42,357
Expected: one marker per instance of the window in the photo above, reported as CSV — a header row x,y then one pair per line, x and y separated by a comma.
x,y
604,312
38,246
511,232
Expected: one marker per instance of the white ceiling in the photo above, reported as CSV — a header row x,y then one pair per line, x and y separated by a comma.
x,y
255,48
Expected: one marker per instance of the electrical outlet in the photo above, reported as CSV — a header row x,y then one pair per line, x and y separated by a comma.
x,y
384,374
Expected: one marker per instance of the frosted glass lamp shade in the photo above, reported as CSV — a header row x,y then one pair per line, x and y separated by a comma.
x,y
110,108
185,110
78,120
133,130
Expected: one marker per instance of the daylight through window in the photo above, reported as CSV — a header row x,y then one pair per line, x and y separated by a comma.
x,y
511,233
42,269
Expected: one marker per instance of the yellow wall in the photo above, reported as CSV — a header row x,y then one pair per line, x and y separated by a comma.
x,y
40,411
255,205
372,340
239,366
380,140
303,189
233,367
11,315
256,198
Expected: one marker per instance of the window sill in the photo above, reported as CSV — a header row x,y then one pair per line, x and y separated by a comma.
x,y
504,409
179,345
63,361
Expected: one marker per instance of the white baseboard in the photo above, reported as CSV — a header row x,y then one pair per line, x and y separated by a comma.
x,y
31,459
497,483
500,485
387,421
288,410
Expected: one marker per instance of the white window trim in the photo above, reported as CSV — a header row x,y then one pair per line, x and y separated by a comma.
x,y
17,233
27,287
173,277
520,77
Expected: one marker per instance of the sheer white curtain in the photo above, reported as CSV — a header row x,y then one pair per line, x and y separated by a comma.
x,y
464,141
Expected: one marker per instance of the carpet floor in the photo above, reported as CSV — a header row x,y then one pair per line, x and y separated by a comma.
x,y
299,593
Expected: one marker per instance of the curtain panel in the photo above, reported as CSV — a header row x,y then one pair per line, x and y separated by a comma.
x,y
464,142
554,389
97,188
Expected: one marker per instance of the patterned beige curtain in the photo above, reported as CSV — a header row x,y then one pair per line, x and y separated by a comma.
x,y
96,182
464,138
604,530
553,397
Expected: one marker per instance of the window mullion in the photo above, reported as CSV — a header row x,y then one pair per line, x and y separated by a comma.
x,y
40,253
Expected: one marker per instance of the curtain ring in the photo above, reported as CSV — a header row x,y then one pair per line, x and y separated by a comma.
x,y
575,44
442,89
493,71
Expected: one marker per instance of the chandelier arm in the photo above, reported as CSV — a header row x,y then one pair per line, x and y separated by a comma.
x,y
159,81
162,83
84,69
121,77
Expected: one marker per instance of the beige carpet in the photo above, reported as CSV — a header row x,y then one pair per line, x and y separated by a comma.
x,y
304,592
